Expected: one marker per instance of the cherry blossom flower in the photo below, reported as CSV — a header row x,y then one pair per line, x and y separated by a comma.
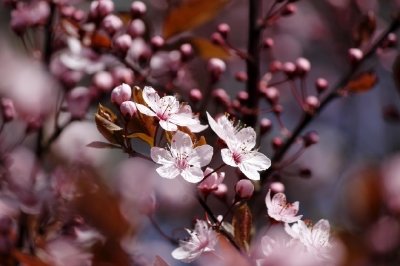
x,y
202,239
211,182
315,238
168,110
240,142
182,159
280,210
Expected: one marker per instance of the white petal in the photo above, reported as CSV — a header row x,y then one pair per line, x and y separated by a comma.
x,y
161,156
268,199
145,110
320,233
182,120
182,254
247,138
226,155
249,171
151,97
168,105
168,126
256,160
216,127
168,171
197,127
201,155
192,174
181,143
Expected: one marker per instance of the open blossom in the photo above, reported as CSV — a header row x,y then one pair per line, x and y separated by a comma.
x,y
169,111
240,142
202,239
315,238
212,181
280,210
182,159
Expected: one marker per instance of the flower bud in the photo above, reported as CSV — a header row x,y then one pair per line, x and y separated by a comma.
x,y
265,126
277,187
289,9
277,109
122,75
271,94
121,94
355,55
321,85
7,109
310,138
186,50
78,15
111,24
216,67
268,43
157,42
122,43
136,28
101,8
128,109
241,76
277,142
138,9
195,95
311,104
289,68
103,81
275,66
303,66
217,39
391,40
242,96
224,29
244,189
221,96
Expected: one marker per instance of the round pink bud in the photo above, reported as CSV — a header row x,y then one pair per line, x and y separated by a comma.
x,y
121,94
136,28
186,50
103,80
216,67
289,68
289,9
123,42
277,142
138,9
221,96
277,187
242,96
275,66
355,55
122,75
67,11
195,95
111,23
277,109
78,15
101,8
224,29
217,39
8,109
157,42
128,108
241,76
265,126
271,94
236,105
391,40
310,138
303,66
311,103
268,43
321,85
244,189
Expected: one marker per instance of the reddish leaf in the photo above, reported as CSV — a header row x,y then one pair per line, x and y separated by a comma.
x,y
110,253
158,261
99,40
102,145
105,122
191,14
241,222
362,83
207,49
365,29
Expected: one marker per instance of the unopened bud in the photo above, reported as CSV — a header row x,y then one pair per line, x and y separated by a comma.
x,y
217,38
289,9
136,28
310,138
195,95
157,42
221,96
123,42
289,68
242,96
271,94
128,109
275,66
277,187
277,142
103,81
355,55
8,109
277,109
186,50
111,24
122,75
121,94
268,43
138,9
224,30
265,126
216,67
241,76
311,104
101,8
321,85
303,66
244,189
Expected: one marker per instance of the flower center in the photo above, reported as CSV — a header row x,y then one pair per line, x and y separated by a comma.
x,y
181,163
236,157
162,115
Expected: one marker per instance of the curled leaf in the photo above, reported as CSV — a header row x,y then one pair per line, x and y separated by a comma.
x,y
241,222
191,14
362,83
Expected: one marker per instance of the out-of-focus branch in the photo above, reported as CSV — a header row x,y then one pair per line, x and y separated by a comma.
x,y
333,94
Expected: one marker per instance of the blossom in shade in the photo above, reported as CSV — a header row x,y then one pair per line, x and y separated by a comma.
x,y
211,181
280,210
240,152
182,159
202,239
169,111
